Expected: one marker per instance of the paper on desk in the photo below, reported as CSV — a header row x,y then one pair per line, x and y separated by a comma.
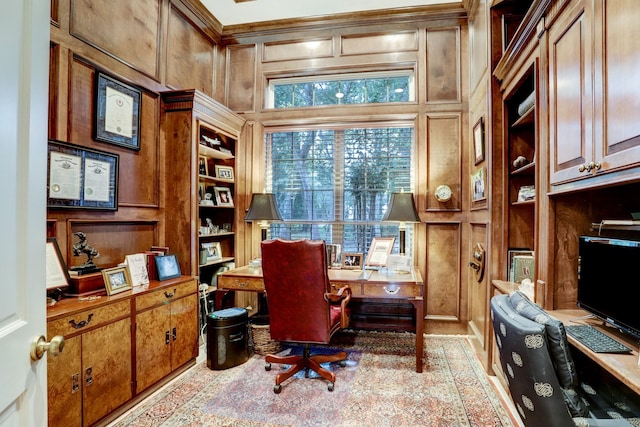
x,y
399,263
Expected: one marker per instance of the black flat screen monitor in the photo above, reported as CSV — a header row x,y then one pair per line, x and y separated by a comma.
x,y
609,280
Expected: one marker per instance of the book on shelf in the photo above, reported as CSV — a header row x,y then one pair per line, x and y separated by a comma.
x,y
614,222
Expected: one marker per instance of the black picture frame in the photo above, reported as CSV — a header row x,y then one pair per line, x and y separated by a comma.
x,y
81,178
117,112
167,267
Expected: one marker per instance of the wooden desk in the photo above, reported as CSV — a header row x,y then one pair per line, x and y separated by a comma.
x,y
364,284
622,366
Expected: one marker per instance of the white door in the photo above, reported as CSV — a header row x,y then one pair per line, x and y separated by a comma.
x,y
24,70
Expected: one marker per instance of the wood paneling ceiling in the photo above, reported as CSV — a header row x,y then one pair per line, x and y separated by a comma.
x,y
237,12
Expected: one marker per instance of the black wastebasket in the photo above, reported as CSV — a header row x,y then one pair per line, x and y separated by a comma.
x,y
227,338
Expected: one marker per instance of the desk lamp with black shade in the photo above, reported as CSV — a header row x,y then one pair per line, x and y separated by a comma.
x,y
262,210
402,209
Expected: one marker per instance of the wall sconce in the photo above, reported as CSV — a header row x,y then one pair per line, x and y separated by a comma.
x,y
402,209
263,209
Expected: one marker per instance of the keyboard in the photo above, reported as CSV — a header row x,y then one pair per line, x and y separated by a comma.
x,y
595,340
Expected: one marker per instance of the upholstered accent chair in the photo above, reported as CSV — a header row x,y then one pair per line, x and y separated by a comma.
x,y
541,374
303,308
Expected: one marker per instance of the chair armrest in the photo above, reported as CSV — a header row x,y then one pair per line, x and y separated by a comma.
x,y
343,295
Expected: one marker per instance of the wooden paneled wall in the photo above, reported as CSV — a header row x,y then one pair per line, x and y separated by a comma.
x,y
154,45
435,47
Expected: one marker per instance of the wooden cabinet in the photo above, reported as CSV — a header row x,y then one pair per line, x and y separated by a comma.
x,y
107,364
93,375
201,135
594,111
166,332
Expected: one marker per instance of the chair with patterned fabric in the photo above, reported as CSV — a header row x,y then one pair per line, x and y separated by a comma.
x,y
541,375
302,306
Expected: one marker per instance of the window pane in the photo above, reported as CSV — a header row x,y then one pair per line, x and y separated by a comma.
x,y
325,93
283,96
302,95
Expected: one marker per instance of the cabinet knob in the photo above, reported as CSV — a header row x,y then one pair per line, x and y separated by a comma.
x,y
590,166
39,345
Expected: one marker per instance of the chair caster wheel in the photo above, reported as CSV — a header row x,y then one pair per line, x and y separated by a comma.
x,y
330,387
267,367
277,389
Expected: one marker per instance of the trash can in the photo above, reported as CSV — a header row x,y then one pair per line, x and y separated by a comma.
x,y
227,338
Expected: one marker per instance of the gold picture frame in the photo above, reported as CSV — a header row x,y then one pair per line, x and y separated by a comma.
x,y
117,279
352,260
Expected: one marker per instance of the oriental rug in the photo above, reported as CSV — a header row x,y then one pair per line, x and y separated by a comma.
x,y
378,387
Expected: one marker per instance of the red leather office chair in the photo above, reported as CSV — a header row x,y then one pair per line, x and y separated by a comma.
x,y
302,308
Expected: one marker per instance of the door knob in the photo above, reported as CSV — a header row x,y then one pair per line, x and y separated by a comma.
x,y
39,345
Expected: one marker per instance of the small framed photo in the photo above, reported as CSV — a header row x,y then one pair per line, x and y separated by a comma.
x,y
526,193
117,279
224,172
168,267
478,140
117,112
379,251
352,260
214,250
223,196
478,185
203,167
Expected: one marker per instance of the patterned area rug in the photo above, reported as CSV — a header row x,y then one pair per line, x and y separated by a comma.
x,y
378,387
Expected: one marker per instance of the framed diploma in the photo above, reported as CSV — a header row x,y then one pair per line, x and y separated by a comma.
x,y
80,177
56,269
117,112
379,251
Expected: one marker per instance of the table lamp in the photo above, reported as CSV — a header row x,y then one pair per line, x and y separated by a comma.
x,y
263,209
402,209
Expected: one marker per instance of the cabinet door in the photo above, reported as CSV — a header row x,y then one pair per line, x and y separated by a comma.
x,y
106,365
153,346
570,112
64,389
617,88
184,330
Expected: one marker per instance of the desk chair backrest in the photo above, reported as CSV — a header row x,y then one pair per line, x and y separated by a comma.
x,y
296,280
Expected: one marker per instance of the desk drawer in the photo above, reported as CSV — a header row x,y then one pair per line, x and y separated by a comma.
x,y
88,319
165,295
240,283
392,290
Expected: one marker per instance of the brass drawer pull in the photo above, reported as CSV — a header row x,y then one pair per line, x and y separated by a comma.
x,y
82,323
170,294
392,289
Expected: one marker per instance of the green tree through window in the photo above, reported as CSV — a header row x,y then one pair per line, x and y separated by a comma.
x,y
335,184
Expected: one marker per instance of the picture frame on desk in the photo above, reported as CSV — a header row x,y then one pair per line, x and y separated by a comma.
x,y
117,112
117,279
137,264
168,267
352,260
379,250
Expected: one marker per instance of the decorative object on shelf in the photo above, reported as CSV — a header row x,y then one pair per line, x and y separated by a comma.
x,y
56,269
352,260
117,279
478,140
511,253
138,268
208,200
203,168
168,267
117,112
226,227
80,177
224,172
527,104
214,250
209,142
478,185
379,251
82,247
263,209
519,162
402,209
223,196
443,193
523,268
526,193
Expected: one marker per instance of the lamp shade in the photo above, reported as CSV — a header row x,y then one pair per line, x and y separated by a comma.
x,y
402,208
263,208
